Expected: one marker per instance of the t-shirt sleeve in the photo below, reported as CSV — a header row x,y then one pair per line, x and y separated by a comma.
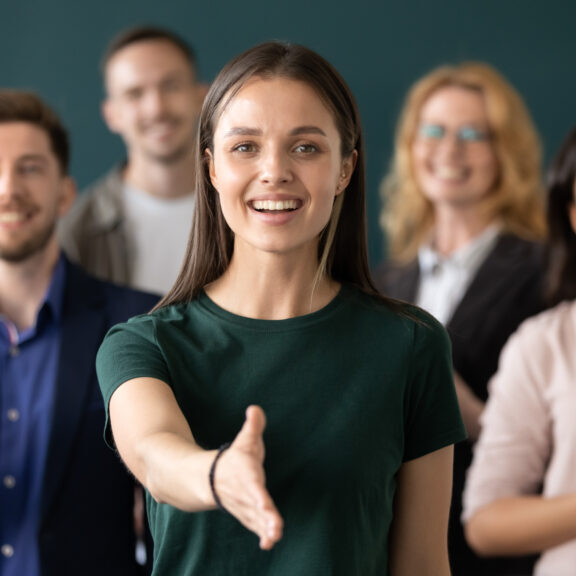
x,y
432,416
129,350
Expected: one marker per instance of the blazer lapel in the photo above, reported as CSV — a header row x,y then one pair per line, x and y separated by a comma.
x,y
81,334
498,268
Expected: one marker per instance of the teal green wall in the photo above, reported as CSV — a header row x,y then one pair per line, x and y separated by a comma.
x,y
379,46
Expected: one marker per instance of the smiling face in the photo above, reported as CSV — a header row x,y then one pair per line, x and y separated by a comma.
x,y
153,100
33,191
453,157
277,165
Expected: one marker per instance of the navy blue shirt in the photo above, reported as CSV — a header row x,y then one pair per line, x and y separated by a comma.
x,y
28,368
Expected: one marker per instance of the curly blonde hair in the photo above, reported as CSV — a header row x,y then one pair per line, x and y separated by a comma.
x,y
407,217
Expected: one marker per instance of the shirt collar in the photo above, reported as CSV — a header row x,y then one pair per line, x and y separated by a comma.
x,y
49,310
469,257
55,293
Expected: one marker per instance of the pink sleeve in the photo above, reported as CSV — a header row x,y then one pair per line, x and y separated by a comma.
x,y
514,448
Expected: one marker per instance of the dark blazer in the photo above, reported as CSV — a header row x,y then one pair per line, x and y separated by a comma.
x,y
506,290
86,522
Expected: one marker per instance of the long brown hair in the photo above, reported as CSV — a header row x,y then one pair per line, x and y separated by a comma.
x,y
407,216
342,249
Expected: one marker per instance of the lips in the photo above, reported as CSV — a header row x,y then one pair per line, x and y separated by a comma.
x,y
275,205
450,173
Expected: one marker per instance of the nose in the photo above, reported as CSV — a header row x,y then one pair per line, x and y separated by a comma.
x,y
9,184
154,103
275,168
451,145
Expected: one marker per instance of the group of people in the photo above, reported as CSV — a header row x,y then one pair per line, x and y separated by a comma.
x,y
208,311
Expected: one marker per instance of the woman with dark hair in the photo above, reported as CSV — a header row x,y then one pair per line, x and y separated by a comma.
x,y
274,391
520,495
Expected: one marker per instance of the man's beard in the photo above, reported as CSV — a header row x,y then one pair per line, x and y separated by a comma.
x,y
28,247
181,149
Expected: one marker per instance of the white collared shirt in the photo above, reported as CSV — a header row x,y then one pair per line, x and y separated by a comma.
x,y
444,279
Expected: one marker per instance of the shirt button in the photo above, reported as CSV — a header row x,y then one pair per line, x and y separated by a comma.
x,y
9,481
13,415
7,551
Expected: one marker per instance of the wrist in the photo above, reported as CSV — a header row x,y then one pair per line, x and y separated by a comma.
x,y
212,476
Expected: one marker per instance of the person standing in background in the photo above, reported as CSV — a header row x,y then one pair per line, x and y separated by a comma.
x,y
131,226
520,495
66,501
463,215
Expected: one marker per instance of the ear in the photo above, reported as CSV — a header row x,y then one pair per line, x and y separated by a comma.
x,y
346,171
211,170
572,215
67,196
109,114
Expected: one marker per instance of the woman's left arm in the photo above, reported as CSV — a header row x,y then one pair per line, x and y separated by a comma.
x,y
420,526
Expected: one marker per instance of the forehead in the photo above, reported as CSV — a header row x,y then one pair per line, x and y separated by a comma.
x,y
145,61
455,103
22,139
276,101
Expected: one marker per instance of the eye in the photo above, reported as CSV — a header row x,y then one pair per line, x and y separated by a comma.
x,y
306,149
432,131
172,85
244,147
30,168
471,134
134,94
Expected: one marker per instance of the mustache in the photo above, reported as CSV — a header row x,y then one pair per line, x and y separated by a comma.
x,y
169,119
16,205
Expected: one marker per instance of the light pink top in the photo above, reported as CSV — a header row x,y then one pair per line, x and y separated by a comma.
x,y
529,425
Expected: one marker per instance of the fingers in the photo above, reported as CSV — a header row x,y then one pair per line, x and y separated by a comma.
x,y
241,482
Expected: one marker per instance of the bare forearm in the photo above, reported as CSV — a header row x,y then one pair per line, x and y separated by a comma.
x,y
471,407
523,525
175,471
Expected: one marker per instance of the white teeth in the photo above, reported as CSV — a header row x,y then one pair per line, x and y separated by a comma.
x,y
275,205
450,173
10,217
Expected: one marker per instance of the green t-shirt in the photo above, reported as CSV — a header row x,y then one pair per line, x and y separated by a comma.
x,y
350,393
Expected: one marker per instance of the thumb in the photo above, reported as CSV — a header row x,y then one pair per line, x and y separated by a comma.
x,y
253,427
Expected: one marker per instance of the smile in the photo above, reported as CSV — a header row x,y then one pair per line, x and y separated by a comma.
x,y
12,217
275,205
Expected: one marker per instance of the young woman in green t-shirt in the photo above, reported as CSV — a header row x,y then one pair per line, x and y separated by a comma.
x,y
278,248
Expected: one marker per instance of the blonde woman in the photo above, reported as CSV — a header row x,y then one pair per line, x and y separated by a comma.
x,y
463,216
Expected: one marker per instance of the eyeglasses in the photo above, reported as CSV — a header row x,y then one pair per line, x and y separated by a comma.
x,y
464,134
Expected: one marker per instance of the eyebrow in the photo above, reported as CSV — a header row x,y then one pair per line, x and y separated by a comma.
x,y
245,131
33,157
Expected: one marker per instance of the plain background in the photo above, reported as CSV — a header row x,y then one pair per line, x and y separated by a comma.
x,y
380,47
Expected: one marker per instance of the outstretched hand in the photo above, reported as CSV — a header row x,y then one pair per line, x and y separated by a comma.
x,y
240,481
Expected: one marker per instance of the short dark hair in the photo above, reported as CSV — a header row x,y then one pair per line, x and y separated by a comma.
x,y
23,106
561,275
144,34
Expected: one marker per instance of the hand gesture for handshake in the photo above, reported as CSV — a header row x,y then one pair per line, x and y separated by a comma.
x,y
240,483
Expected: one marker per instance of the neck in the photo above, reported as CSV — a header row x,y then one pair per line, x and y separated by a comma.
x,y
23,286
453,229
272,286
161,180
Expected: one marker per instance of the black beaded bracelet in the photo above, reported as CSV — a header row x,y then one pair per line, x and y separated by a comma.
x,y
221,450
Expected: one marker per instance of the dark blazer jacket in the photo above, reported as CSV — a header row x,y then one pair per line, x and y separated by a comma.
x,y
86,512
506,290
